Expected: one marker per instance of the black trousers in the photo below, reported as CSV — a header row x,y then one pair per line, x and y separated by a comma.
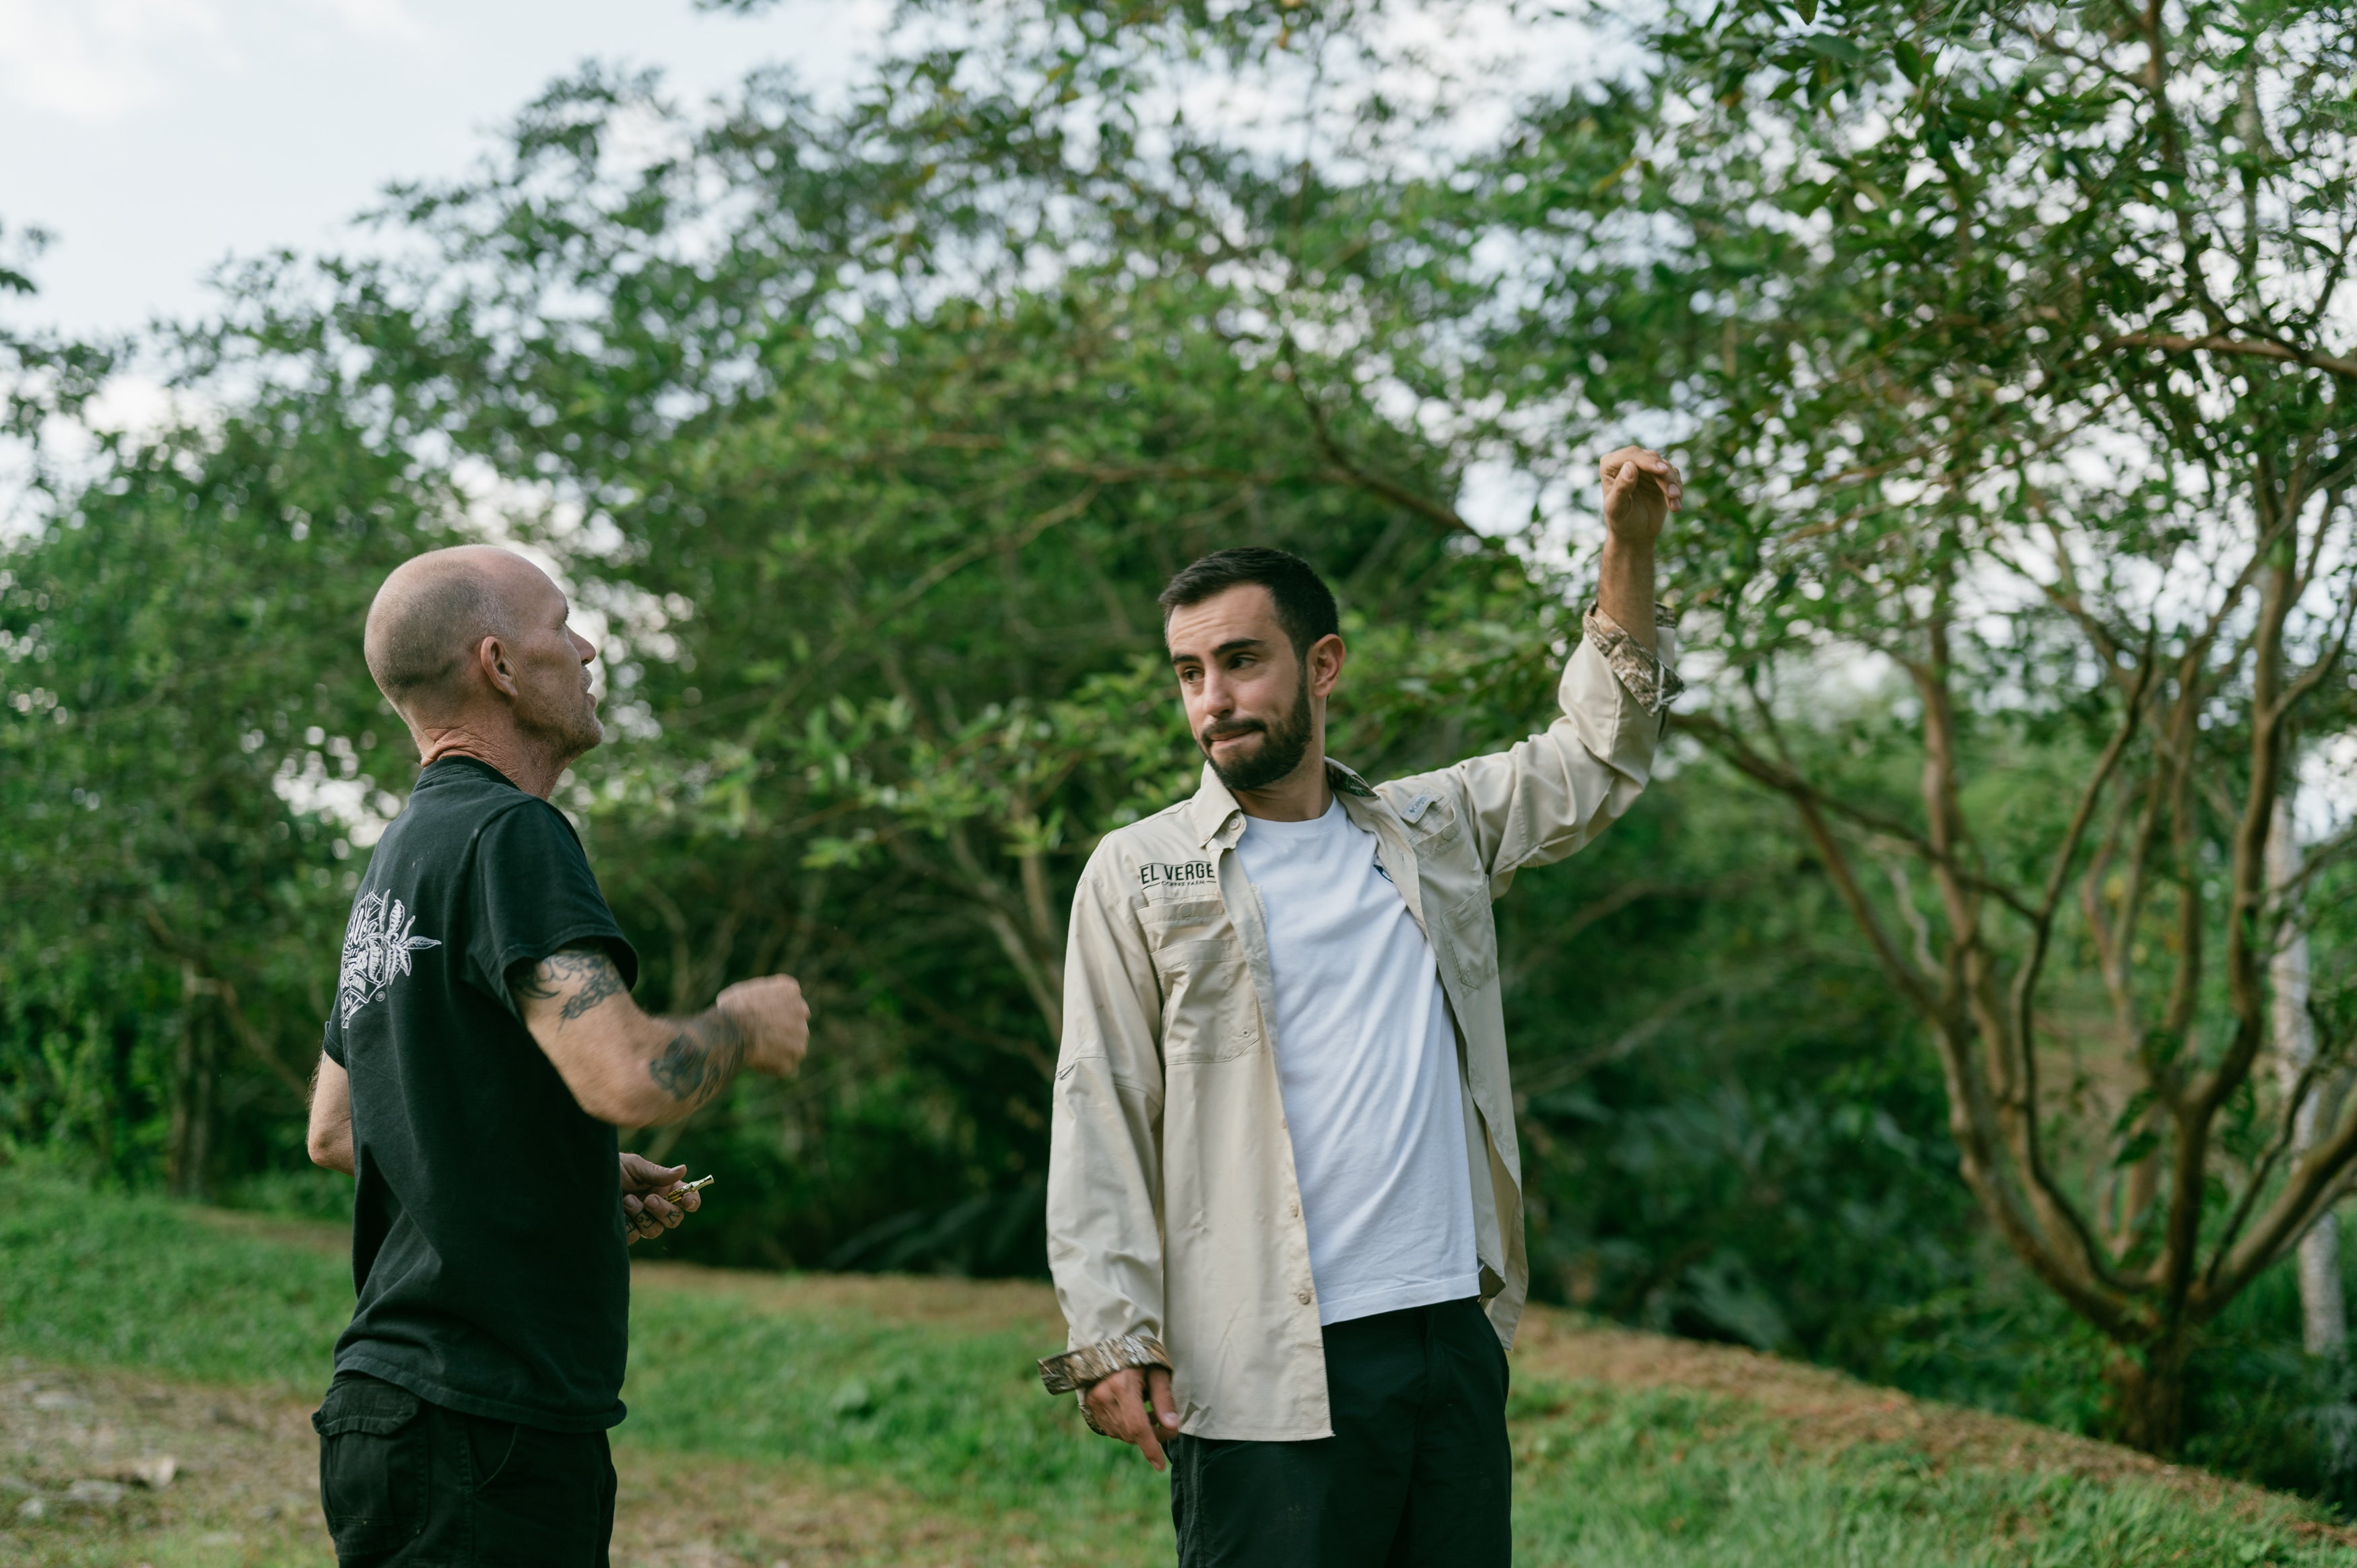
x,y
1417,1472
405,1484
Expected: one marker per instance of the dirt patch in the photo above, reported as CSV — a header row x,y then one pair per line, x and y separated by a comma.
x,y
84,1474
696,1514
1828,1412
243,1489
976,1305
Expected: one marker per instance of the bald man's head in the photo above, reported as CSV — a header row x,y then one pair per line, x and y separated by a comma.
x,y
473,648
432,615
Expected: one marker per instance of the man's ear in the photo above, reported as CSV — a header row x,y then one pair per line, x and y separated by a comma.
x,y
1325,664
491,658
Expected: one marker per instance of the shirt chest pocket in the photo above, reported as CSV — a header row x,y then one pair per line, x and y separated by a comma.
x,y
1437,832
1206,995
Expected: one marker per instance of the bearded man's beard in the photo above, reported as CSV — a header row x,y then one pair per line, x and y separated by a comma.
x,y
1281,748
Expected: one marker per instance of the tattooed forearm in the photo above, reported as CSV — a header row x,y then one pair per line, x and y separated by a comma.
x,y
582,976
701,1058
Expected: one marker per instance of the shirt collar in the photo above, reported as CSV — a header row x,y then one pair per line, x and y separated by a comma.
x,y
1216,819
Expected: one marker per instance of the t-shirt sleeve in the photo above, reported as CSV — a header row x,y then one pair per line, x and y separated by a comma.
x,y
532,894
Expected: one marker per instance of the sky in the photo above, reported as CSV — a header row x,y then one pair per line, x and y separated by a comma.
x,y
153,139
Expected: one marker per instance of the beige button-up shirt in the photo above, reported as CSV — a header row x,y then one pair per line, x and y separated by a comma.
x,y
1173,1211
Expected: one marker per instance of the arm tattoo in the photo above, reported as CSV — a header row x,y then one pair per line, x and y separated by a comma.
x,y
701,1058
586,968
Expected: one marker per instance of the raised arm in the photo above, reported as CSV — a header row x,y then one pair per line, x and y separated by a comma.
x,y
1640,489
635,1070
1543,798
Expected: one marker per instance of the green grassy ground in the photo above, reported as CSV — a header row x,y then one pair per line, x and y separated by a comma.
x,y
922,1397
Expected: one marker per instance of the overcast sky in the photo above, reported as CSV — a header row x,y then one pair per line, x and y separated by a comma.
x,y
155,138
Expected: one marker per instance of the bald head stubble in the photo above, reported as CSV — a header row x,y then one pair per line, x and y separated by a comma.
x,y
425,647
426,623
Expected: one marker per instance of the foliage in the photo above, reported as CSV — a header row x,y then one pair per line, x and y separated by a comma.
x,y
2009,342
168,868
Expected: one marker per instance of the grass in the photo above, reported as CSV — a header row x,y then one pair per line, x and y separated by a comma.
x,y
899,1421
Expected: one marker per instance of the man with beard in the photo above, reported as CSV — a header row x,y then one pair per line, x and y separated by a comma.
x,y
1284,1204
483,1050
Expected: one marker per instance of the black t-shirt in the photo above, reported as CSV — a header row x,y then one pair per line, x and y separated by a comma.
x,y
486,1234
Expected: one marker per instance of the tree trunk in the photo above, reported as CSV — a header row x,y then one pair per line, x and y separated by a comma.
x,y
2147,1404
2324,1319
190,1151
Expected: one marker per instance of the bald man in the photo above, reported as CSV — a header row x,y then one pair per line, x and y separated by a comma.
x,y
483,1050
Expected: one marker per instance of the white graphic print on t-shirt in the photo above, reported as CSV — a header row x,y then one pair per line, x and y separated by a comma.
x,y
377,946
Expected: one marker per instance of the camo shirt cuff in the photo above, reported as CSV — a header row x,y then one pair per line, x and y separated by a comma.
x,y
1653,683
1074,1370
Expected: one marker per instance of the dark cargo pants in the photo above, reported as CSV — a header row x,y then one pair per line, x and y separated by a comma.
x,y
408,1484
1418,1473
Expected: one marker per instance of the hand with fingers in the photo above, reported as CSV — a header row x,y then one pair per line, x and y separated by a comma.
x,y
645,1214
1134,1406
1641,488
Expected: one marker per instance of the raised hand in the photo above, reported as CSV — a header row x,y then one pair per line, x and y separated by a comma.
x,y
1641,488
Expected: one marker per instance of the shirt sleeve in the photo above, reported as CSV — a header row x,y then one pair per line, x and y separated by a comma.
x,y
531,893
1543,798
1104,1151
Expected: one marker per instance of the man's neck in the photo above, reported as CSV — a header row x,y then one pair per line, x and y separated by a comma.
x,y
1301,796
532,768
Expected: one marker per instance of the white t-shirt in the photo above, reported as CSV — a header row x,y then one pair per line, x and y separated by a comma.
x,y
1367,1062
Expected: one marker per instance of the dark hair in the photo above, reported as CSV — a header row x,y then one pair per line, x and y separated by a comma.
x,y
1305,605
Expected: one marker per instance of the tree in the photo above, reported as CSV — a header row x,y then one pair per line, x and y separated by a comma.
x,y
183,708
874,523
2012,341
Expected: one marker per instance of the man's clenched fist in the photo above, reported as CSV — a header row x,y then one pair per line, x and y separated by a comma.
x,y
775,1019
1640,489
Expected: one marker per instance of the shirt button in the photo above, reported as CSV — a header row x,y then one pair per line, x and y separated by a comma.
x,y
1293,1210
1302,1297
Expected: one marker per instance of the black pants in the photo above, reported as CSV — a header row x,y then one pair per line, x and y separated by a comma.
x,y
406,1484
1417,1472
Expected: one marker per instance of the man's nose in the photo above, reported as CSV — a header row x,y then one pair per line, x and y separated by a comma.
x,y
1216,700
